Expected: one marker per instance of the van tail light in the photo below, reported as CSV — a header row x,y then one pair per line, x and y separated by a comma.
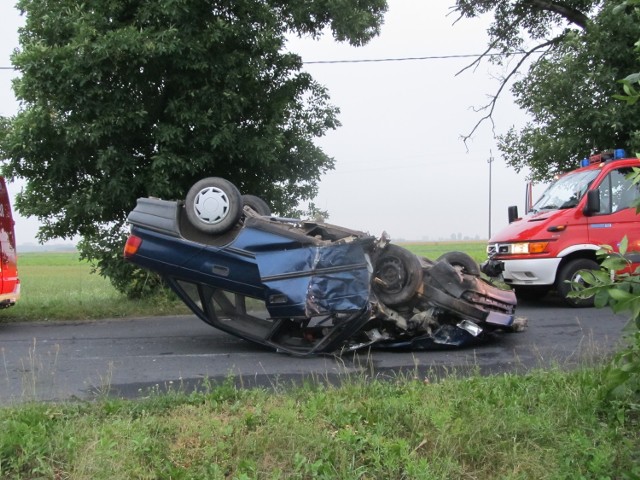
x,y
132,246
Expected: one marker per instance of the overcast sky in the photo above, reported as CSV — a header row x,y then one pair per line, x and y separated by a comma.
x,y
401,165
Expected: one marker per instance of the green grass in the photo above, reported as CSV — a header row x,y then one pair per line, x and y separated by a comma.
x,y
433,250
58,286
545,425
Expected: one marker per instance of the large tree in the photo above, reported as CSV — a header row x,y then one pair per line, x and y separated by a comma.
x,y
575,53
124,98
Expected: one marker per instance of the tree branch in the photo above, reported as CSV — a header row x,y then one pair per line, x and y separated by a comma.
x,y
571,15
494,99
477,61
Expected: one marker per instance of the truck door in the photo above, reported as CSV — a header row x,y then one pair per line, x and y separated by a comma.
x,y
616,217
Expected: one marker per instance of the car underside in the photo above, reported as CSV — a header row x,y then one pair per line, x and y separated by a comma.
x,y
306,287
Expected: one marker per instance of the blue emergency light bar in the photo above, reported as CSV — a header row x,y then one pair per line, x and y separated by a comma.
x,y
617,154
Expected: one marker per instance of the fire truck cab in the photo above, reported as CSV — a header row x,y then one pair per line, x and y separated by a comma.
x,y
560,234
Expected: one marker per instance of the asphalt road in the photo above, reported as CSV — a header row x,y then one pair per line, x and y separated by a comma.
x,y
133,357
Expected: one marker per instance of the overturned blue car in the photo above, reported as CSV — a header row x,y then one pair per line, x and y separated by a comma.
x,y
306,287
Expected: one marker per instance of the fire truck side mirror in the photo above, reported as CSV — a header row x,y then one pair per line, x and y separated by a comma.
x,y
513,213
593,203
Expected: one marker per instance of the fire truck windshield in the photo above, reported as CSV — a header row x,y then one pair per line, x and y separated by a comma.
x,y
565,192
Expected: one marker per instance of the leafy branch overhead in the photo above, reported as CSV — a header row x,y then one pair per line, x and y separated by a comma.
x,y
563,61
631,83
515,25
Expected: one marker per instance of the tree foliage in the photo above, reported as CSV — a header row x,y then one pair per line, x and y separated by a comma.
x,y
122,99
631,83
576,51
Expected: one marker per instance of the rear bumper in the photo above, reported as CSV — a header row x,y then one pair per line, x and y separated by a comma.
x,y
10,299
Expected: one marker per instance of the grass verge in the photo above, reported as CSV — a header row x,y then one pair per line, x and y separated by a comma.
x,y
544,425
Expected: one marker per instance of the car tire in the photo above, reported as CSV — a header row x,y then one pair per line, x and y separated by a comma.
x,y
397,275
213,205
462,261
256,204
570,272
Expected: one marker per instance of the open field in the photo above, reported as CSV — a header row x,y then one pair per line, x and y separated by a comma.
x,y
58,286
433,250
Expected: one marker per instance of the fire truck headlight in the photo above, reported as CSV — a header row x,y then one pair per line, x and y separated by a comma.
x,y
526,248
519,248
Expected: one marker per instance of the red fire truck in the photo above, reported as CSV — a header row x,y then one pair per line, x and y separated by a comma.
x,y
560,234
9,281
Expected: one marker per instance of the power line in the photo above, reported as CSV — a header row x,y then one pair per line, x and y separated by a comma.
x,y
392,59
407,59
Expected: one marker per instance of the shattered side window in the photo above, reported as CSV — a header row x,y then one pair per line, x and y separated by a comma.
x,y
236,312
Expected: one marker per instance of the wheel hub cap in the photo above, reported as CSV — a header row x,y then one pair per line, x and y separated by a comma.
x,y
211,205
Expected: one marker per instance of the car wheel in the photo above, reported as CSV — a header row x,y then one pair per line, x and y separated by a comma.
x,y
397,275
571,272
256,204
213,205
462,261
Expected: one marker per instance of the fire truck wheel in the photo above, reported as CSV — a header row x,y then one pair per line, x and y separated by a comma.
x,y
572,272
462,261
397,275
213,205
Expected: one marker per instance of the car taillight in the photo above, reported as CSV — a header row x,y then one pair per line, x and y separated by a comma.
x,y
132,245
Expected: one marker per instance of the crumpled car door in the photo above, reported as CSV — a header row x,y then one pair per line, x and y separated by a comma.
x,y
314,280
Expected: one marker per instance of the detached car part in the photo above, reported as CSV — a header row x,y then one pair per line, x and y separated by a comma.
x,y
306,287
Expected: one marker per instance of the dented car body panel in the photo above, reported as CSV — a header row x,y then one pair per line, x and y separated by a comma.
x,y
306,287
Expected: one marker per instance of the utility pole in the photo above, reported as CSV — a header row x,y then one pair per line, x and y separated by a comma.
x,y
490,161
